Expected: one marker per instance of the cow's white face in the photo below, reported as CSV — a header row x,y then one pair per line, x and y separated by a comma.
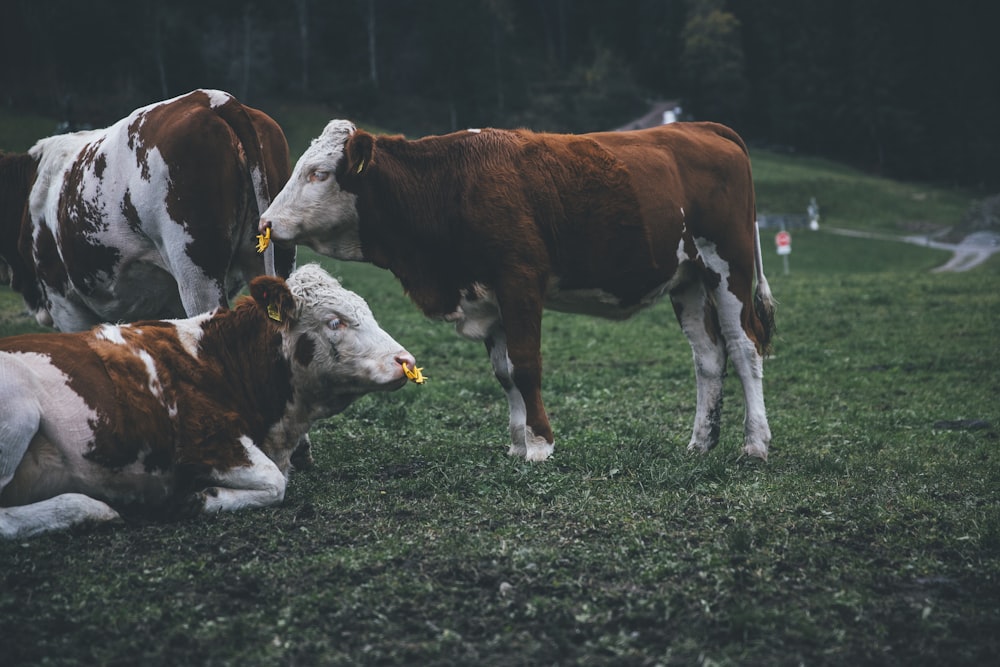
x,y
338,350
312,209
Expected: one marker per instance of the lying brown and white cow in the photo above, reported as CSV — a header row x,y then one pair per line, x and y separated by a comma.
x,y
152,217
198,414
488,227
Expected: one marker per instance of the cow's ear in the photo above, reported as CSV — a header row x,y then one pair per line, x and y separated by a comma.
x,y
359,150
273,297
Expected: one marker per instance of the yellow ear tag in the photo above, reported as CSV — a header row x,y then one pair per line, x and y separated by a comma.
x,y
415,375
361,166
273,312
263,240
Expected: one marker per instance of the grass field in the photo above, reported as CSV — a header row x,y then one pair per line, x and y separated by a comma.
x,y
872,535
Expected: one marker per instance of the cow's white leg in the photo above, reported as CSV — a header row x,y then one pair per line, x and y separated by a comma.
x,y
20,419
749,366
698,322
199,292
59,513
257,485
67,313
524,442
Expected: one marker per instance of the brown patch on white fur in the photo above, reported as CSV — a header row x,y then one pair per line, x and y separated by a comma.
x,y
202,413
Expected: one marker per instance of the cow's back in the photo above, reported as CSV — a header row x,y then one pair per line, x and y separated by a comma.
x,y
690,176
155,215
695,162
689,166
616,208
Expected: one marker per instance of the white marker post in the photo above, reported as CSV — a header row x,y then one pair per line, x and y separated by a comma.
x,y
813,211
783,242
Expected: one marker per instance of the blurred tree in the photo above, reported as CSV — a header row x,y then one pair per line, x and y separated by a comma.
x,y
906,87
554,16
370,25
302,14
501,15
155,17
713,62
653,44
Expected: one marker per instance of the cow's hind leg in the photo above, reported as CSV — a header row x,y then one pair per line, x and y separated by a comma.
x,y
698,320
20,420
59,513
734,313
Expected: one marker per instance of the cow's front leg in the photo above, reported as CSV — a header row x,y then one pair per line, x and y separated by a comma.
x,y
528,439
480,317
259,484
520,303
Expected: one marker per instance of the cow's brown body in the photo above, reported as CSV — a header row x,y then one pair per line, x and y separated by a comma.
x,y
154,216
490,227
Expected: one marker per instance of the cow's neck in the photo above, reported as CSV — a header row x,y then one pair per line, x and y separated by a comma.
x,y
401,222
249,352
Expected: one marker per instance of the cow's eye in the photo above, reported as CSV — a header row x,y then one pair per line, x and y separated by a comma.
x,y
318,176
336,324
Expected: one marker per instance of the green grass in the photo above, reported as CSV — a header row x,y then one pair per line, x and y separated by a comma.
x,y
850,198
19,132
872,535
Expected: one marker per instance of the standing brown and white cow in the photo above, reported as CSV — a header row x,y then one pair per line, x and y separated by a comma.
x,y
198,414
486,228
154,216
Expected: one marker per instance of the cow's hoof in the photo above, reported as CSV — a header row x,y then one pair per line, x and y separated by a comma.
x,y
755,450
517,450
187,507
540,451
302,458
80,508
699,447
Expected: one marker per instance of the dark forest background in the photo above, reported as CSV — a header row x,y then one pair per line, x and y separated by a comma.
x,y
905,88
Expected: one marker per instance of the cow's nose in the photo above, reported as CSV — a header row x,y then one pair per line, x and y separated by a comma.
x,y
406,358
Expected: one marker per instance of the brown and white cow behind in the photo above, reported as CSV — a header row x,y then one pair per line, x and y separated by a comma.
x,y
198,415
152,217
486,228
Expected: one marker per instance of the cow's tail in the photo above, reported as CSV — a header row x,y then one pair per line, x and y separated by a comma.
x,y
239,121
280,261
764,302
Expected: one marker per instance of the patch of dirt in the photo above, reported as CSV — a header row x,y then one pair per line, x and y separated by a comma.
x,y
983,216
920,227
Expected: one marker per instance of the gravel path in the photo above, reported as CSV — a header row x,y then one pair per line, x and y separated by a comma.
x,y
972,251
